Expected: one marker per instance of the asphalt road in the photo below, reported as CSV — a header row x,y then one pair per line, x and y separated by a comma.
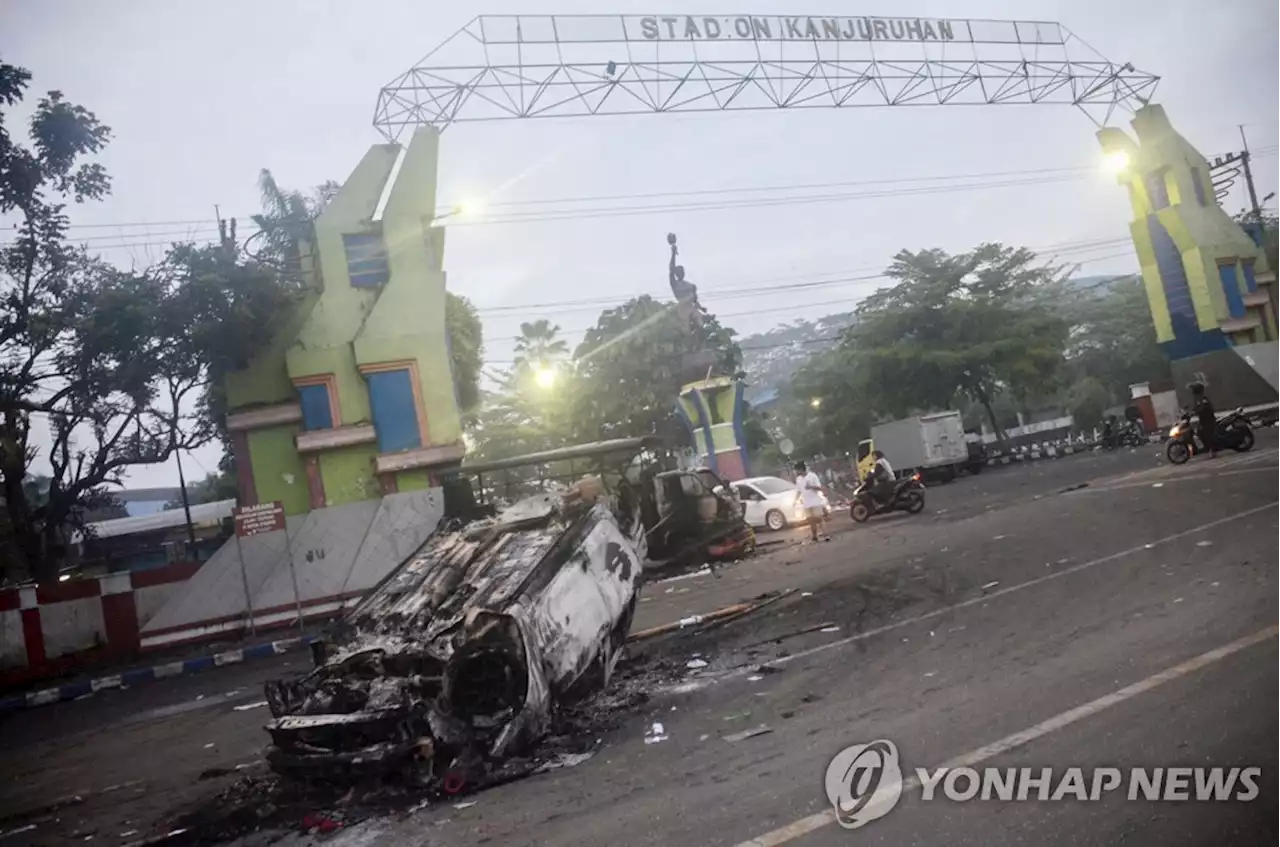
x,y
998,612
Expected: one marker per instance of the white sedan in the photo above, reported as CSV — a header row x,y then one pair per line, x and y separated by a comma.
x,y
773,502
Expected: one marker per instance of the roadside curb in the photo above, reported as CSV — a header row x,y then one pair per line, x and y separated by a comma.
x,y
87,687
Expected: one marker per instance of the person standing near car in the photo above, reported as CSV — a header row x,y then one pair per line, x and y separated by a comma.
x,y
809,486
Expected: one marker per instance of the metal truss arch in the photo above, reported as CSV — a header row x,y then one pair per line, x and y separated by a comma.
x,y
531,66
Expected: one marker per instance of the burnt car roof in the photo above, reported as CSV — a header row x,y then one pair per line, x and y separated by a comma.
x,y
595,448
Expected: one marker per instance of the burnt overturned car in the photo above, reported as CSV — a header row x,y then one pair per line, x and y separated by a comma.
x,y
520,601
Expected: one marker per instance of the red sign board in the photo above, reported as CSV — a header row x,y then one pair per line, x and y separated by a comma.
x,y
254,520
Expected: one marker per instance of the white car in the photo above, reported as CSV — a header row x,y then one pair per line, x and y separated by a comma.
x,y
773,502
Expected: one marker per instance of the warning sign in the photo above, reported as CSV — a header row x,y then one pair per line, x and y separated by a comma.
x,y
254,520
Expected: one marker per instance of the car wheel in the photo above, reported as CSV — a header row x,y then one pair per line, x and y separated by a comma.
x,y
775,520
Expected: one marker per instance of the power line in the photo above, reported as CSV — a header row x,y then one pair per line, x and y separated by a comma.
x,y
840,301
803,283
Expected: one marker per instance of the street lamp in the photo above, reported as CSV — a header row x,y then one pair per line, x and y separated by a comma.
x,y
545,376
465,209
1115,162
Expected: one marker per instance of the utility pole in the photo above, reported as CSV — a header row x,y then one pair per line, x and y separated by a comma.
x,y
1248,177
186,503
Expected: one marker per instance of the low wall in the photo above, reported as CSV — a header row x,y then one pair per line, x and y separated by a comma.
x,y
54,629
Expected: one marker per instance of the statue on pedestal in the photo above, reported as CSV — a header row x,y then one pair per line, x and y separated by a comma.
x,y
686,293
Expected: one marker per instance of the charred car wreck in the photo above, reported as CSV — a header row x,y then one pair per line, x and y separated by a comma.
x,y
521,600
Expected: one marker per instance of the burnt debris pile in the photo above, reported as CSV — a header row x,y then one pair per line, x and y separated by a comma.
x,y
456,662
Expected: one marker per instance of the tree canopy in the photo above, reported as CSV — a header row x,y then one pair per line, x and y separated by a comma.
x,y
111,364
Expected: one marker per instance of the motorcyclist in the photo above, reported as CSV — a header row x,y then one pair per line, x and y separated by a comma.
x,y
881,479
1208,419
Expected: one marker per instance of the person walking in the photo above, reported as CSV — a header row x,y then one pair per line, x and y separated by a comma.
x,y
809,486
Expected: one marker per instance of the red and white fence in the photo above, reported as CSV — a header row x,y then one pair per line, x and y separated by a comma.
x,y
54,629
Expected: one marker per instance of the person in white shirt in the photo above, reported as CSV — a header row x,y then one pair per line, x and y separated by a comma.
x,y
882,484
809,487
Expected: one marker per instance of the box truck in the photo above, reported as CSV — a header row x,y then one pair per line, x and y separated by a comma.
x,y
933,444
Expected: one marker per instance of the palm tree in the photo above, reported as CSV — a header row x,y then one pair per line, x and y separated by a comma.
x,y
538,346
287,218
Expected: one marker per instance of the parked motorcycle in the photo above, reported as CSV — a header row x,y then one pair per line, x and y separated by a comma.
x,y
1233,433
1122,434
908,496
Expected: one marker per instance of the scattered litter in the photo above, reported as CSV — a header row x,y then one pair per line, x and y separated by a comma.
x,y
1204,543
762,729
467,805
1148,546
955,629
1213,585
694,664
565,760
931,633
703,737
669,591
997,538
931,673
806,593
656,733
247,706
18,831
830,629
1063,561
199,697
1177,599
320,823
737,716
1076,487
418,807
209,746
129,833
755,677
1157,485
991,584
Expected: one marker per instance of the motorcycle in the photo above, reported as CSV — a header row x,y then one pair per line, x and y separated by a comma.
x,y
1126,434
1232,432
908,496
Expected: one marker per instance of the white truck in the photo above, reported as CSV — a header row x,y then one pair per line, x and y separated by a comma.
x,y
933,444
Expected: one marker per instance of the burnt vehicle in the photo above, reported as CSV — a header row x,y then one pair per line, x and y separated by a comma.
x,y
520,601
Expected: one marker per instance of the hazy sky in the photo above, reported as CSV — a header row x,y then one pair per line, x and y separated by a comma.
x,y
201,96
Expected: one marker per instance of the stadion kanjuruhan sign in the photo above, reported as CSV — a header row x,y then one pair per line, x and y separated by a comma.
x,y
819,28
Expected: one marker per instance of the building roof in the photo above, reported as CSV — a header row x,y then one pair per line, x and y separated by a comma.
x,y
204,514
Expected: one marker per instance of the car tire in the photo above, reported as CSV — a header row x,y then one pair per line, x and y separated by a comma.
x,y
775,520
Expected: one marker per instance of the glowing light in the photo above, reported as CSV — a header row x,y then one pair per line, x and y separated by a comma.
x,y
544,376
1115,162
816,402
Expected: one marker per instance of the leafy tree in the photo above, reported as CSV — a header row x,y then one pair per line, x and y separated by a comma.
x,y
1087,401
466,350
631,365
111,362
522,416
974,324
1113,339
